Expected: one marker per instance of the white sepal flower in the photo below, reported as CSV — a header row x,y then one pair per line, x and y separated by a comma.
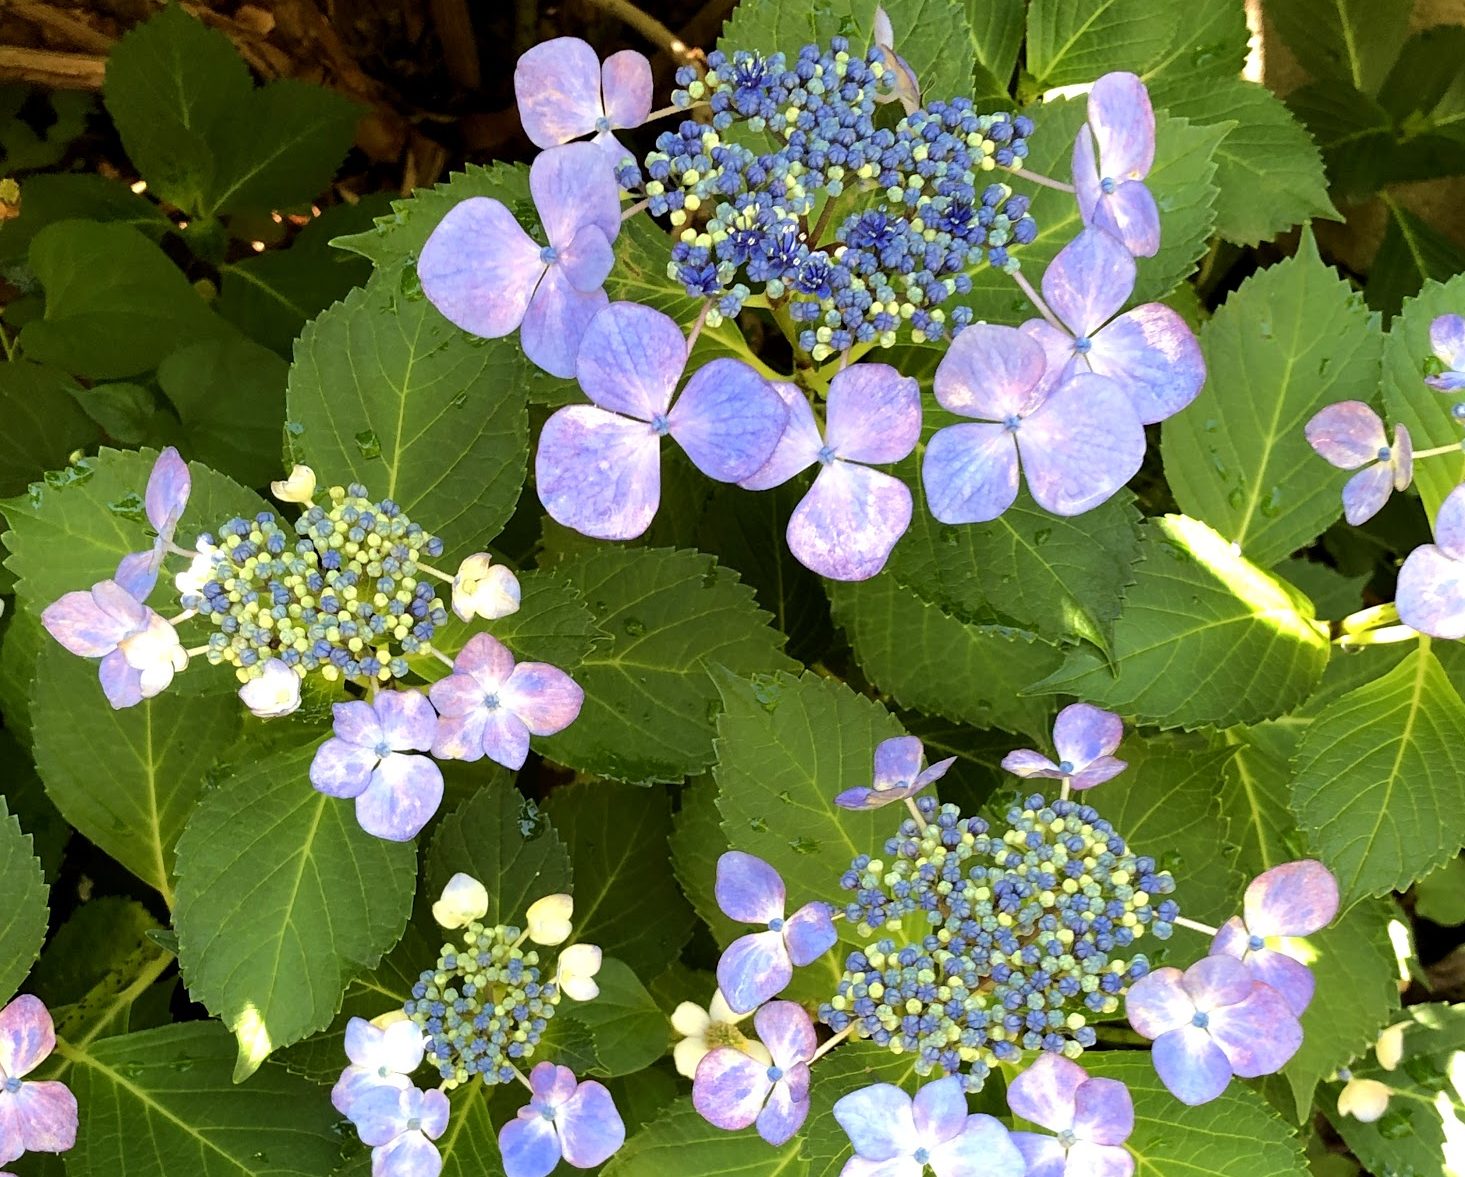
x,y
704,1030
575,972
157,653
1365,1100
484,589
1389,1049
274,693
464,900
548,919
191,580
298,488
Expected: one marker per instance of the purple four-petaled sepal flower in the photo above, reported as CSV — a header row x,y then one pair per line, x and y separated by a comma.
x,y
1447,340
139,649
373,757
564,92
898,775
733,1089
1077,442
1149,352
166,497
598,469
1348,435
1430,594
490,706
1111,158
761,964
1294,899
851,518
1085,738
1090,1118
35,1116
482,271
1210,1022
563,1119
897,1136
381,1056
400,1125
906,88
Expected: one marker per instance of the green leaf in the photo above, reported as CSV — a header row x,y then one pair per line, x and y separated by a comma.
x,y
1412,403
625,899
627,1029
650,701
1379,781
43,423
697,841
785,747
1440,896
62,196
23,641
1205,638
1412,254
501,839
1210,41
161,1102
1417,1134
1268,170
1354,133
115,304
22,147
170,83
1292,339
23,924
997,33
386,392
929,660
1063,577
126,412
924,32
127,779
1354,41
1072,41
282,899
680,1140
26,798
1235,1135
1332,593
1167,807
1255,800
1357,996
70,531
239,433
1426,97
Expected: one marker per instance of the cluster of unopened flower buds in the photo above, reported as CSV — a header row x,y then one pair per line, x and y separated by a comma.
x,y
351,600
477,1015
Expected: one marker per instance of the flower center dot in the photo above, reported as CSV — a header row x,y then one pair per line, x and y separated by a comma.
x,y
602,125
549,255
547,1113
491,702
1458,411
1108,185
826,455
921,1156
1383,453
1201,1020
775,925
1065,767
414,1125
1067,1139
1082,345
1256,943
774,1074
12,1085
1013,422
382,1072
383,750
661,425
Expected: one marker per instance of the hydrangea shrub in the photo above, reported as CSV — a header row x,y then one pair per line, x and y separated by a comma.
x,y
847,617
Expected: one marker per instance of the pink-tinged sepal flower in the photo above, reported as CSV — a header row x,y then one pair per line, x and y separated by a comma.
x,y
167,496
1349,435
1149,352
598,468
374,758
1091,1119
733,1090
759,965
897,1136
1111,158
1085,738
490,706
488,276
1077,443
851,518
35,1116
139,650
1430,595
1210,1022
563,1119
907,87
1447,340
400,1126
381,1056
898,775
564,91
1291,900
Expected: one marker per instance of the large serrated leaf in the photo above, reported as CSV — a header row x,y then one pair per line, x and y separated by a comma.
x,y
43,423
283,899
650,702
162,1102
1293,339
386,392
1353,41
1379,778
1074,41
1413,252
1205,638
24,915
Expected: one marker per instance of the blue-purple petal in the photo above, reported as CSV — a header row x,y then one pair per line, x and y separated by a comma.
x,y
479,268
625,83
798,446
785,1028
728,420
529,1147
167,493
1130,213
729,1088
340,769
574,186
1365,493
121,682
872,414
1347,434
1158,1003
784,1113
984,1146
1044,1156
1430,594
847,525
879,1121
1154,357
556,321
403,794
809,933
1044,1092
897,761
1191,1065
754,968
137,572
970,471
631,359
557,85
598,472
1080,446
1293,899
590,1127
1257,1035
990,373
1082,733
748,889
1103,1111
587,260
1123,120
1090,279
939,1109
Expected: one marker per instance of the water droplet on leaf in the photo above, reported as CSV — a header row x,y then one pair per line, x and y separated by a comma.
x,y
367,443
634,626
